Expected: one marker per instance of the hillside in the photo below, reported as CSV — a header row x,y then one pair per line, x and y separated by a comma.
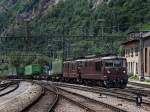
x,y
86,26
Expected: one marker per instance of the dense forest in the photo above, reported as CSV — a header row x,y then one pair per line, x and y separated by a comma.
x,y
69,28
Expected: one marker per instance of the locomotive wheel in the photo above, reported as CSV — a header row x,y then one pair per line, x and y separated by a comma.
x,y
106,84
79,80
61,79
123,86
100,83
85,82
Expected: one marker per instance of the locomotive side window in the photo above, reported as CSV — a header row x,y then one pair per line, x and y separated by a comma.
x,y
79,64
73,66
109,63
98,66
86,64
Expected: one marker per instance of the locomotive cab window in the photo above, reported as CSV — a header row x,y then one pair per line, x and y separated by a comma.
x,y
98,66
115,63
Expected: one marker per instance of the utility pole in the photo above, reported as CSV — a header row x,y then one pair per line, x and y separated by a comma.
x,y
63,44
141,60
118,29
49,48
101,22
27,38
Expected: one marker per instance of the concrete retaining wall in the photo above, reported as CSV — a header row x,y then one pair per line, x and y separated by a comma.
x,y
20,102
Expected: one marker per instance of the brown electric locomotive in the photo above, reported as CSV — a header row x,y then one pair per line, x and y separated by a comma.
x,y
109,71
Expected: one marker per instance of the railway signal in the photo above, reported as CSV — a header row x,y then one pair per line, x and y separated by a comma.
x,y
138,100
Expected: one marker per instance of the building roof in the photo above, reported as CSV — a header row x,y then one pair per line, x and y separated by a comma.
x,y
146,34
133,37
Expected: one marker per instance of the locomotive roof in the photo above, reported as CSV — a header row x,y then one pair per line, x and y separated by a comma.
x,y
113,57
97,59
88,59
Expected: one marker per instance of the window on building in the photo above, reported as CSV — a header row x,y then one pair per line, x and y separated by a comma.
x,y
136,68
132,50
129,52
136,51
128,66
146,60
126,52
131,67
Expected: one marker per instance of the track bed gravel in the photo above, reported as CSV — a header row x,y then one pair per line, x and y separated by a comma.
x,y
88,103
123,104
64,105
43,104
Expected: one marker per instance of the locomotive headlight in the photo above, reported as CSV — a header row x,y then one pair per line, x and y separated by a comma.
x,y
124,71
108,72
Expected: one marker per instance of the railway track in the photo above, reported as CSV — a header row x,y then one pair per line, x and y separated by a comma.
x,y
3,84
139,84
45,103
60,97
4,87
9,87
126,94
88,104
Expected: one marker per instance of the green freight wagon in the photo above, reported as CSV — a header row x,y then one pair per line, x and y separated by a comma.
x,y
56,72
20,70
33,69
12,70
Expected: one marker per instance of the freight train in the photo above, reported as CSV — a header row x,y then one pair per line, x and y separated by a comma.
x,y
108,71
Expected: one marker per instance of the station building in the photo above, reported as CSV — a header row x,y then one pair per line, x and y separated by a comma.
x,y
132,53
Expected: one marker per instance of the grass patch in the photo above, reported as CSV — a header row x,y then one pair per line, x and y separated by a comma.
x,y
133,77
148,81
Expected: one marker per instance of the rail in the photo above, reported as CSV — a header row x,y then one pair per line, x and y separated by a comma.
x,y
12,83
116,109
82,105
125,94
139,84
52,89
